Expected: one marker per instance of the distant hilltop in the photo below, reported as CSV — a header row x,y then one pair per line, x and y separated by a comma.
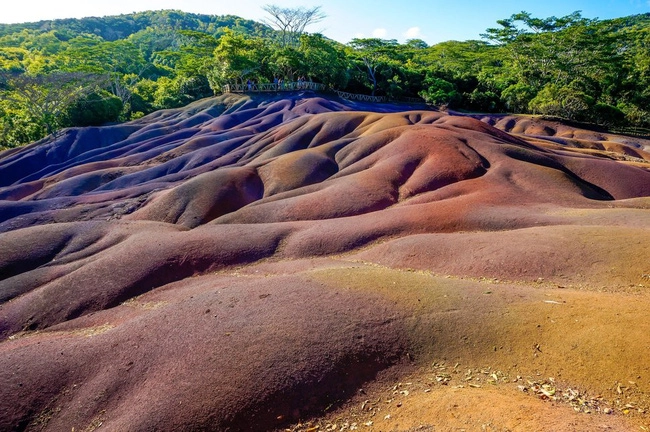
x,y
116,27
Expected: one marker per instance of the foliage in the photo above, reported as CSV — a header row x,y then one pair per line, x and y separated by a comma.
x,y
573,67
62,73
375,59
238,57
324,60
45,99
439,91
563,101
94,109
113,28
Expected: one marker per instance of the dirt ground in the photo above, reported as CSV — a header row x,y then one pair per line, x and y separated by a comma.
x,y
501,356
310,264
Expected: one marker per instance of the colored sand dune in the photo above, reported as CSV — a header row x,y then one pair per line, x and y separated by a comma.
x,y
248,263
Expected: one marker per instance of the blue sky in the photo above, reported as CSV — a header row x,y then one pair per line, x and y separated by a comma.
x,y
431,20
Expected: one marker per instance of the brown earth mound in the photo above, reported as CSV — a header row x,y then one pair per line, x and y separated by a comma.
x,y
250,264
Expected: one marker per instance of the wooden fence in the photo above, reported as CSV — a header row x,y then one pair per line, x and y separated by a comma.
x,y
307,85
272,87
418,100
632,131
360,97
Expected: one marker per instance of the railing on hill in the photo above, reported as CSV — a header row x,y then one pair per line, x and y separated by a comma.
x,y
272,87
308,85
360,97
418,100
632,131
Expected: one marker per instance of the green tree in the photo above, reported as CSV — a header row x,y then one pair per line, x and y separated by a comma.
x,y
438,91
372,57
12,58
517,97
238,57
94,109
287,63
46,98
324,60
17,126
563,101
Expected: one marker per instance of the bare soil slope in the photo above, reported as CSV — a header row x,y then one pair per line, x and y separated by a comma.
x,y
311,264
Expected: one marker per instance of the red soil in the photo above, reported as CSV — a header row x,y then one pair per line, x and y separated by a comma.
x,y
246,264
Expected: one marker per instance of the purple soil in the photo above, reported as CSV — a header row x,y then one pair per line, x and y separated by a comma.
x,y
109,308
207,353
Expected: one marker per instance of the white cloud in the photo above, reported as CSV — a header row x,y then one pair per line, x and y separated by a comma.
x,y
359,35
413,33
379,33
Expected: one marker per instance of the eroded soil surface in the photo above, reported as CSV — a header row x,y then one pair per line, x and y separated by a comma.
x,y
309,264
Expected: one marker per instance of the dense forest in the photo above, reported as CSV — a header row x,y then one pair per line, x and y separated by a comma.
x,y
79,72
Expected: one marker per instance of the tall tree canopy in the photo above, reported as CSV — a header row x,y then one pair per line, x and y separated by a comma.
x,y
291,22
577,68
44,100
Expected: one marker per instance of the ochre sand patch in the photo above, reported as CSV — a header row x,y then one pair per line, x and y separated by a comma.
x,y
479,347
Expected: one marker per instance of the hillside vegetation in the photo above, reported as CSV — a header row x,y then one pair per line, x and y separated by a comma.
x,y
79,72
